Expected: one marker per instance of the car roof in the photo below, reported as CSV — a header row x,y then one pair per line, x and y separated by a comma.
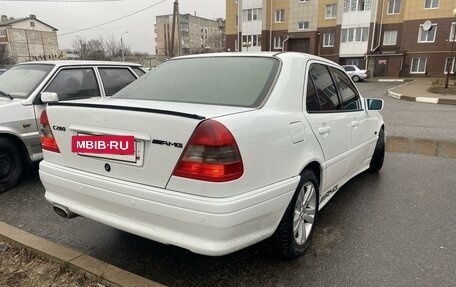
x,y
275,54
81,63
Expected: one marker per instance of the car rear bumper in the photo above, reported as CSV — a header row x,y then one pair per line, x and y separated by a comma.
x,y
209,226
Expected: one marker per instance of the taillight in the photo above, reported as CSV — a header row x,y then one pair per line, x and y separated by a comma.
x,y
210,155
47,138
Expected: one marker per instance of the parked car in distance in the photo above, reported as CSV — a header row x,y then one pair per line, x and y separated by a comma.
x,y
20,104
224,150
356,73
2,71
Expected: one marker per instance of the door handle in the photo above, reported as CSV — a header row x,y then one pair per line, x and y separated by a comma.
x,y
323,130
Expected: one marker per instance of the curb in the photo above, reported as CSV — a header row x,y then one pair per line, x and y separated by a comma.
x,y
427,100
90,267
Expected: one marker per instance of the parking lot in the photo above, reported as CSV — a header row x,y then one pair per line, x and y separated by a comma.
x,y
395,228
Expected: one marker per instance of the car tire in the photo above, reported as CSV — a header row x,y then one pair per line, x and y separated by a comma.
x,y
356,78
296,228
379,153
10,164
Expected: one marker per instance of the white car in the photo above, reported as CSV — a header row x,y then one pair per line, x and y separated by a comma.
x,y
229,149
21,87
356,73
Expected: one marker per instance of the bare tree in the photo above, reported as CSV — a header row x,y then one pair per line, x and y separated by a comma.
x,y
113,48
96,49
80,44
5,60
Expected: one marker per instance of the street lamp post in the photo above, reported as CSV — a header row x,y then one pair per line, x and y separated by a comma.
x,y
122,45
247,45
452,39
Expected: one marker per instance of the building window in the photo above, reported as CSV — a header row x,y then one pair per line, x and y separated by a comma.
x,y
3,33
279,15
394,6
328,40
303,25
453,32
449,62
331,11
236,21
431,4
418,66
389,38
354,34
277,42
427,36
252,40
303,1
357,5
252,14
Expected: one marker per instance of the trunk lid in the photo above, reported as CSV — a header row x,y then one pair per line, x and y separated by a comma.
x,y
161,131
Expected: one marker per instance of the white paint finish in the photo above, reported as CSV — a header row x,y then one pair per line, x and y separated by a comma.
x,y
298,132
251,27
276,142
250,4
353,49
427,100
356,19
203,225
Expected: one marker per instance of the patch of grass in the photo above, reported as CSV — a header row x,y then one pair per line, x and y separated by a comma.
x,y
438,86
19,267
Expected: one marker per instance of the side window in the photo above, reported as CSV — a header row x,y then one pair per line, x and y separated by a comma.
x,y
138,71
115,79
312,103
347,92
72,84
324,86
349,68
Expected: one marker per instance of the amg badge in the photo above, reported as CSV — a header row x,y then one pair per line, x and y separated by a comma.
x,y
161,142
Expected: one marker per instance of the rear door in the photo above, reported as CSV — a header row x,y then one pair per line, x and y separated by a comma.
x,y
70,83
330,124
362,128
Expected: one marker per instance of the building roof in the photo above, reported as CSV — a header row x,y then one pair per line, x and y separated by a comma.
x,y
12,21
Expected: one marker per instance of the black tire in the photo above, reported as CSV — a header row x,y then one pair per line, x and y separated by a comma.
x,y
379,153
285,237
356,78
10,165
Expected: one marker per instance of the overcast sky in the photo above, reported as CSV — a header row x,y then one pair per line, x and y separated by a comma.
x,y
71,16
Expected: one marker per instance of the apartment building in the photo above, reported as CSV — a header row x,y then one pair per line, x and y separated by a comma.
x,y
196,34
389,37
27,39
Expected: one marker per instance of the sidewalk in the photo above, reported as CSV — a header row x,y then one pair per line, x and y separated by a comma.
x,y
416,91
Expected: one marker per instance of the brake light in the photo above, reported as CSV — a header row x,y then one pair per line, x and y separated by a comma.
x,y
47,138
210,155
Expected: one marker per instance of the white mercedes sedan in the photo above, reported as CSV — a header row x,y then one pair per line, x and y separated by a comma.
x,y
213,152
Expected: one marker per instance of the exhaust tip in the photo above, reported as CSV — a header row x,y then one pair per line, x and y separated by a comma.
x,y
63,211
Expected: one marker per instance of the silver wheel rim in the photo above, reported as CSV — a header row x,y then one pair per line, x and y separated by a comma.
x,y
304,213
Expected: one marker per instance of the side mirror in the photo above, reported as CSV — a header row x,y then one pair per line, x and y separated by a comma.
x,y
374,104
49,98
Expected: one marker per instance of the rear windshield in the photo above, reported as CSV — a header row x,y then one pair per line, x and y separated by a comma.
x,y
229,81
